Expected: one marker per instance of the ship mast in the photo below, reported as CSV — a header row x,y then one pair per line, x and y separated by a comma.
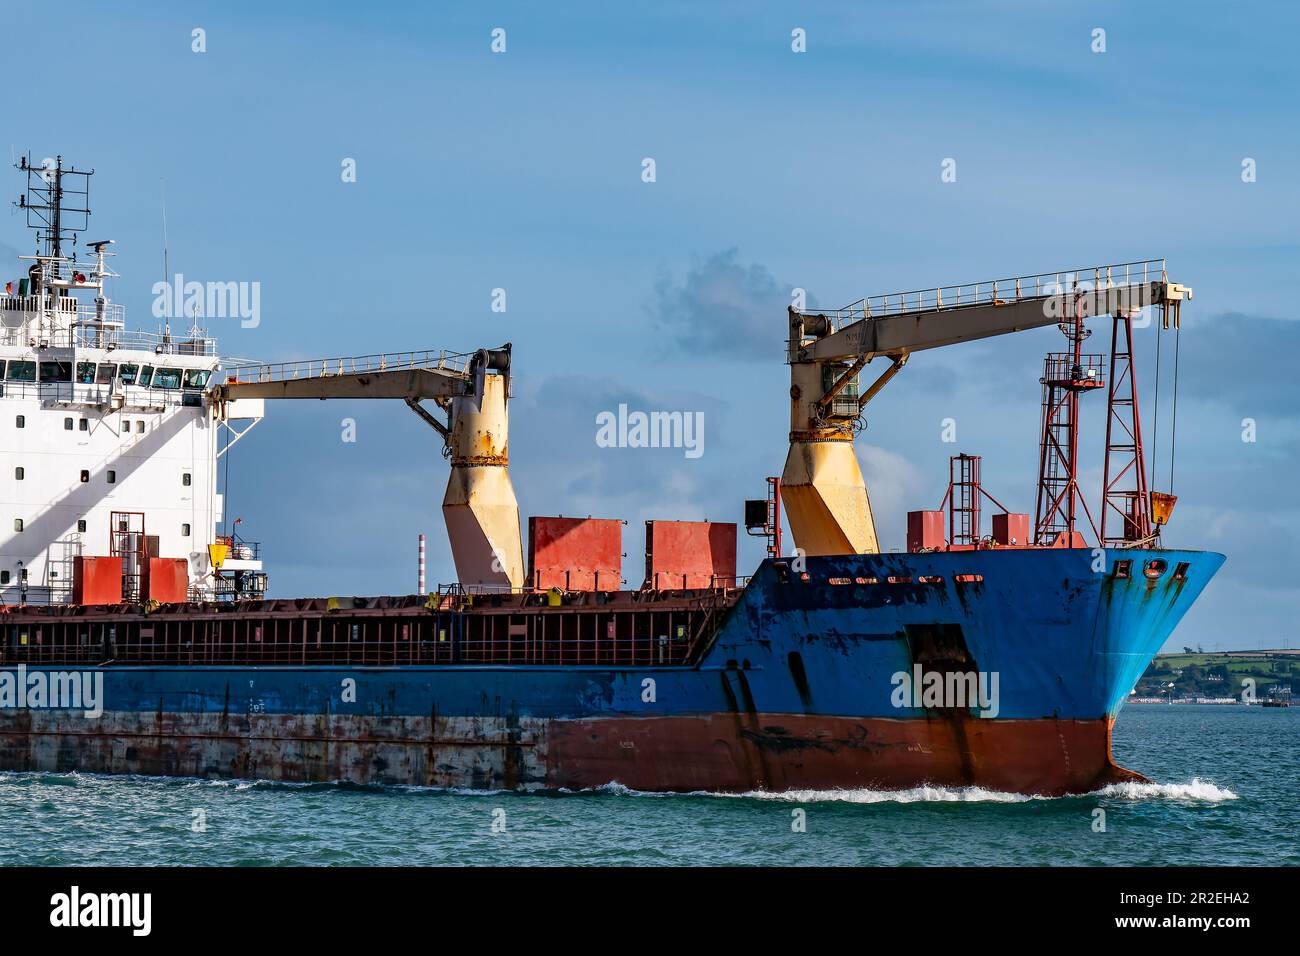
x,y
49,203
57,205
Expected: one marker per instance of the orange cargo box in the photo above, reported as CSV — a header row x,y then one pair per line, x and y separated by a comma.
x,y
575,554
168,580
96,580
690,554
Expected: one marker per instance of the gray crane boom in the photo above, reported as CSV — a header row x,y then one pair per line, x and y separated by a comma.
x,y
415,384
406,375
898,324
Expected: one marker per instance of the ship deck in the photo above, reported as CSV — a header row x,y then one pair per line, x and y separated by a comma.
x,y
602,628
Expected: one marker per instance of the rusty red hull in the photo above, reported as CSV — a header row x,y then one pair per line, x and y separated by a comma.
x,y
793,752
717,753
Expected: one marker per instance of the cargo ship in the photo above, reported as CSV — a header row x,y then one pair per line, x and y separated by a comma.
x,y
138,636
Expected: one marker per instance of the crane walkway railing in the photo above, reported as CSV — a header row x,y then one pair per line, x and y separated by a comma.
x,y
444,361
998,291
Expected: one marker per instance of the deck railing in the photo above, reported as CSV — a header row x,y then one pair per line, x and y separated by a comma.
x,y
456,362
1013,289
650,634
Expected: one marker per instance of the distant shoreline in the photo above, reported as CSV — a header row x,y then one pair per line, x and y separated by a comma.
x,y
1195,676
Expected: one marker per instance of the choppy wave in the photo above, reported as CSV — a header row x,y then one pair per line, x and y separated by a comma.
x,y
1196,790
922,794
45,778
340,785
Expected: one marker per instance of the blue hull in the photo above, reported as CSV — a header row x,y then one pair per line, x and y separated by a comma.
x,y
799,688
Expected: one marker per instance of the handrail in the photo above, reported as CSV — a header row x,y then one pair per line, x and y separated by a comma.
x,y
92,334
997,291
454,362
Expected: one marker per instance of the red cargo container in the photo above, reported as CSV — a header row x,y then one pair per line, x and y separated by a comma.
x,y
96,580
167,580
690,554
1011,528
924,530
575,554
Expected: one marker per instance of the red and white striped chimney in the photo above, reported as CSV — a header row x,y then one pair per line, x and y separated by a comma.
x,y
419,586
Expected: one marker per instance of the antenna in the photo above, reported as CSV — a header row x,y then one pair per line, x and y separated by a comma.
x,y
57,203
167,274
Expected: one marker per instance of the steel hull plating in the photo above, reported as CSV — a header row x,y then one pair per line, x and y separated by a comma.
x,y
721,752
799,690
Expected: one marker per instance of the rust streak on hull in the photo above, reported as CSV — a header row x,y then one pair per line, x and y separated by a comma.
x,y
1052,757
709,753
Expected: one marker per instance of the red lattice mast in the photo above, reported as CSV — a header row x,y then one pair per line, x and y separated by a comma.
x,y
1065,376
1125,505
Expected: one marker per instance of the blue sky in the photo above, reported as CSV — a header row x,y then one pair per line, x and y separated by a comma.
x,y
774,169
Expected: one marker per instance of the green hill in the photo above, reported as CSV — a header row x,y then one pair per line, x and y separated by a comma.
x,y
1197,674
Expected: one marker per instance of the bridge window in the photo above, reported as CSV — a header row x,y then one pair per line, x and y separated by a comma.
x,y
146,375
167,378
130,372
21,372
56,371
196,377
4,577
105,374
86,373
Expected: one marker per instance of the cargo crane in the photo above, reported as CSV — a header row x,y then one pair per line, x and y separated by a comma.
x,y
825,495
473,390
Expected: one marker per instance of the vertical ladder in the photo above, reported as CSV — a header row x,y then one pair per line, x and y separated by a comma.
x,y
774,517
1054,511
964,499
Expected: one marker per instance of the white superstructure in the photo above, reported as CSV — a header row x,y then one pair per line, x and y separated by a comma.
x,y
103,431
